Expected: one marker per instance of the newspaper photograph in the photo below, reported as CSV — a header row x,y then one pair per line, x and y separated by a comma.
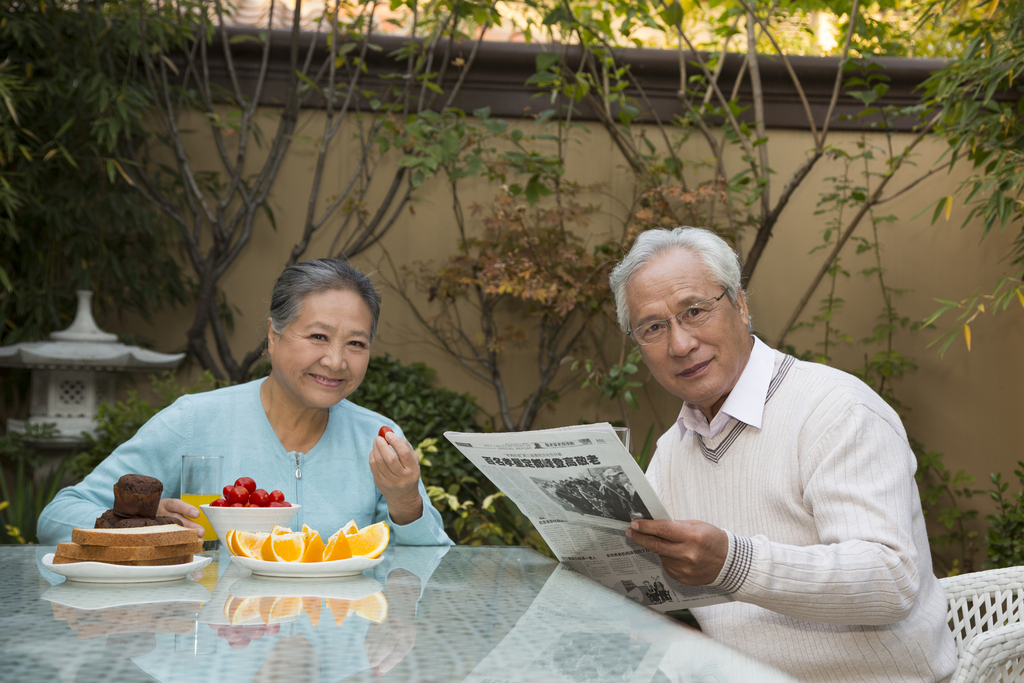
x,y
581,488
567,637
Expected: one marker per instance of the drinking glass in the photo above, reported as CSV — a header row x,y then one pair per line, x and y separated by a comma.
x,y
201,640
623,434
201,483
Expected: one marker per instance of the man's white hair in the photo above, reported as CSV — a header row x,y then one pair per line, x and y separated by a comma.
x,y
711,249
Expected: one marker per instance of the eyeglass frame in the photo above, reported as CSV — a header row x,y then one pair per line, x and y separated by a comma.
x,y
629,333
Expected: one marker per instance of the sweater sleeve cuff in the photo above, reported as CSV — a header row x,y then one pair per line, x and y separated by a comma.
x,y
737,564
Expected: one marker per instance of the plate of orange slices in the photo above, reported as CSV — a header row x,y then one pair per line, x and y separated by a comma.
x,y
304,554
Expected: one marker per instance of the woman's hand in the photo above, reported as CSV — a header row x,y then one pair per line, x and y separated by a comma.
x,y
396,472
172,507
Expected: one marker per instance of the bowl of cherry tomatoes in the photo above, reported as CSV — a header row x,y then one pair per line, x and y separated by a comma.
x,y
246,507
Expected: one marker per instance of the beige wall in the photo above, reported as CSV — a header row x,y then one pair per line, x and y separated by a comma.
x,y
965,404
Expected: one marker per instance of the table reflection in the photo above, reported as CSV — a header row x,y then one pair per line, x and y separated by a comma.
x,y
480,615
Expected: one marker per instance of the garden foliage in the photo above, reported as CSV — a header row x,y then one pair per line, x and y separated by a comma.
x,y
27,484
473,510
1005,537
69,217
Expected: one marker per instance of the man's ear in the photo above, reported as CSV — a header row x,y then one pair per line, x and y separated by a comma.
x,y
741,306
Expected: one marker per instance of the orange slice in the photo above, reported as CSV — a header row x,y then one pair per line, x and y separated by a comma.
x,y
282,548
312,606
314,550
337,548
349,528
339,609
245,543
240,610
278,529
373,607
211,573
370,541
280,608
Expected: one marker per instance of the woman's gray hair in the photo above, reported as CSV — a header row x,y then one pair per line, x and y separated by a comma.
x,y
715,252
320,275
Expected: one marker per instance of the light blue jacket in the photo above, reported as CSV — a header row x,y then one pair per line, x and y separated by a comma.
x,y
336,484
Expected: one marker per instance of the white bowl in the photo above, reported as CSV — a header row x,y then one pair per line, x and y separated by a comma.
x,y
223,519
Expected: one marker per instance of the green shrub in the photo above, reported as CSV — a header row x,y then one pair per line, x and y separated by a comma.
x,y
1006,527
473,510
118,422
25,496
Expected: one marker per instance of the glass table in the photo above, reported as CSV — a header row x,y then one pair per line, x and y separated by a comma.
x,y
475,614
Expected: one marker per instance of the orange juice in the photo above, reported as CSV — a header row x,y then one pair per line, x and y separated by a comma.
x,y
202,499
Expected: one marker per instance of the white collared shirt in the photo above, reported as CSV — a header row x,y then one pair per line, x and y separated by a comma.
x,y
744,403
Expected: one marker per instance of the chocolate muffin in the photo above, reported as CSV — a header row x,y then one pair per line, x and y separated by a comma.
x,y
136,495
111,520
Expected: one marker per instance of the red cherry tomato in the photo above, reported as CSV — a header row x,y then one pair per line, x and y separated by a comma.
x,y
227,490
385,430
259,498
239,494
285,504
276,497
248,483
237,505
219,503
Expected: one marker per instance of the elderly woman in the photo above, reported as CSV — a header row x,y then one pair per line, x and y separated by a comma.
x,y
292,431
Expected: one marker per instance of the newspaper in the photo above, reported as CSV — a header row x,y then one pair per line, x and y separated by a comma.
x,y
568,634
581,489
571,635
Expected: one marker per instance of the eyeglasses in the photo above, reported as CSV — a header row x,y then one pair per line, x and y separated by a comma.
x,y
689,318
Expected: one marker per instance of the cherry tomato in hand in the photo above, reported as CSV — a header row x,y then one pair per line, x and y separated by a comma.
x,y
219,503
276,497
259,498
385,430
239,494
248,483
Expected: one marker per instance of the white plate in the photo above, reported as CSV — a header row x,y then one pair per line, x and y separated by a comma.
x,y
99,572
354,588
96,596
301,570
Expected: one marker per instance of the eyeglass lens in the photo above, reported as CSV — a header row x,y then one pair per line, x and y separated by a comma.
x,y
691,317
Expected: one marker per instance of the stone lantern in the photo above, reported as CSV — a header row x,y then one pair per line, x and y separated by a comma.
x,y
74,372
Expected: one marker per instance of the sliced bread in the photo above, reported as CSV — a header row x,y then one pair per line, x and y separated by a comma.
x,y
99,553
167,534
172,625
181,559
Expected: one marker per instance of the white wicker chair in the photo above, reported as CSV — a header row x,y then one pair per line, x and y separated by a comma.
x,y
986,610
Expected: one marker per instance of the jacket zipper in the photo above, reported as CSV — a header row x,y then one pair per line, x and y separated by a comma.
x,y
298,483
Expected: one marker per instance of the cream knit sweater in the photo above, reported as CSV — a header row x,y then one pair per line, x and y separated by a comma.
x,y
828,563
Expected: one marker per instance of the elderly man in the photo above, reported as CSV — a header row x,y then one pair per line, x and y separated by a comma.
x,y
791,484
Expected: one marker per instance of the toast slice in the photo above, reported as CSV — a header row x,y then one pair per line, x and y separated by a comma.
x,y
171,625
182,559
166,534
99,553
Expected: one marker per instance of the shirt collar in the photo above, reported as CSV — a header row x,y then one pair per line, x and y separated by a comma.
x,y
746,400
